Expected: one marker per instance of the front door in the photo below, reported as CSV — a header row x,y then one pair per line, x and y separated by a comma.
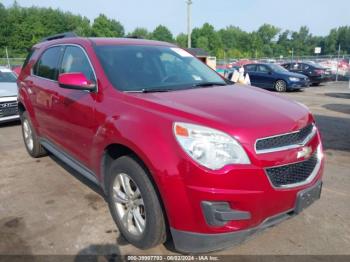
x,y
77,106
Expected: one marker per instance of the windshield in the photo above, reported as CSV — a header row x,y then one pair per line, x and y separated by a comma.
x,y
146,68
278,68
7,77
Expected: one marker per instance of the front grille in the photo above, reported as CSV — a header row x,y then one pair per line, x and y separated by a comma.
x,y
292,173
8,109
286,140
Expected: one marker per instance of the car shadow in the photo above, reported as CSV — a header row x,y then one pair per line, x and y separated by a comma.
x,y
334,132
96,188
10,124
97,253
338,95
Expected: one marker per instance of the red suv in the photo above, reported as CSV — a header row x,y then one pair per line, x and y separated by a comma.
x,y
178,151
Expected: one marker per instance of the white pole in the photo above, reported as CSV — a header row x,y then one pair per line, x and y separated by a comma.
x,y
7,57
189,24
336,76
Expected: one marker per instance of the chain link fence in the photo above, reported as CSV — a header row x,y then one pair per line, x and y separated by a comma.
x,y
11,62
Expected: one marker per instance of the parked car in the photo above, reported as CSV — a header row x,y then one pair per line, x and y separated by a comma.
x,y
177,151
275,77
315,72
8,96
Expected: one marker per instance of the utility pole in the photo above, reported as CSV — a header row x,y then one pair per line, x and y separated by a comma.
x,y
336,76
7,57
189,23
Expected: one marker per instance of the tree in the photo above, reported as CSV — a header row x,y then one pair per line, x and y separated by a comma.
x,y
104,27
162,33
207,38
181,40
140,32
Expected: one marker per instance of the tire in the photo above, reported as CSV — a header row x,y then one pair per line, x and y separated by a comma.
x,y
316,84
136,208
30,138
281,86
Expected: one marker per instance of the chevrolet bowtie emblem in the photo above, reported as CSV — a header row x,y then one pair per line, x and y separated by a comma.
x,y
305,152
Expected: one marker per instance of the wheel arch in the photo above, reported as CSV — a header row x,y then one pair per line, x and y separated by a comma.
x,y
115,151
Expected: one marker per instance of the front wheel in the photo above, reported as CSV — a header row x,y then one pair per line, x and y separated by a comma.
x,y
134,204
281,86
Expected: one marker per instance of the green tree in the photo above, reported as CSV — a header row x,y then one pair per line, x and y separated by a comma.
x,y
162,33
104,27
181,40
140,32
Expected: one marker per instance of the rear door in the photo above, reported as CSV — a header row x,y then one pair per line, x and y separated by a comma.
x,y
251,70
264,76
43,91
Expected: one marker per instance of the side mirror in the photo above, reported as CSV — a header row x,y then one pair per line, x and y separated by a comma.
x,y
77,81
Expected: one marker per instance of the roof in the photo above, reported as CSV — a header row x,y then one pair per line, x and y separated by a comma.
x,y
103,41
199,52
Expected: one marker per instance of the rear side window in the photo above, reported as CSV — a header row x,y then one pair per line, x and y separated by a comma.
x,y
296,67
286,66
26,61
263,69
306,67
47,66
76,61
250,68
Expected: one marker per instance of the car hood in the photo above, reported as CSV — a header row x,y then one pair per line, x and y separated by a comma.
x,y
245,112
8,89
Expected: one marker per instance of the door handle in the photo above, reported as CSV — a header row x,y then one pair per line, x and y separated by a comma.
x,y
56,98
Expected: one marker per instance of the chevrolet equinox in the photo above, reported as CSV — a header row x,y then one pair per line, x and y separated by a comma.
x,y
179,152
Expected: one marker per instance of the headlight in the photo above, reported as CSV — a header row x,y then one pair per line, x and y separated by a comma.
x,y
209,147
294,79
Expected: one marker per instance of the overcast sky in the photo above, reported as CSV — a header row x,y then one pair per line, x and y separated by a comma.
x,y
319,15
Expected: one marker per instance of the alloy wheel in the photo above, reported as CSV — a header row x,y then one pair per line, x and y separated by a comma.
x,y
28,135
129,204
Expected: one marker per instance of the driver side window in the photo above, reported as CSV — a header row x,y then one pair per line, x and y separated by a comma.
x,y
75,61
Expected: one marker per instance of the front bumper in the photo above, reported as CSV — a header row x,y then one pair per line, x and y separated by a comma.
x,y
190,242
299,85
9,118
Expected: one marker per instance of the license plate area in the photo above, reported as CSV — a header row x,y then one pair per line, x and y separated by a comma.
x,y
308,196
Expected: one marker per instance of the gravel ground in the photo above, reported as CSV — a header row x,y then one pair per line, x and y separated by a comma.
x,y
46,208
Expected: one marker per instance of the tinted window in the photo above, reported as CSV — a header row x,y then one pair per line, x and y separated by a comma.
x,y
295,67
29,55
137,68
6,77
250,68
263,69
286,66
305,67
75,61
47,66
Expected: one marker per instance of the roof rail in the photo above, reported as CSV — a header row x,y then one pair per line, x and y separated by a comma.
x,y
134,37
59,36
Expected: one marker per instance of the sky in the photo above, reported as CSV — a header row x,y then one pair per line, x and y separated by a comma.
x,y
319,15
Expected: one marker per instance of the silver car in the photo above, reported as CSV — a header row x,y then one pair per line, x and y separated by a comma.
x,y
8,96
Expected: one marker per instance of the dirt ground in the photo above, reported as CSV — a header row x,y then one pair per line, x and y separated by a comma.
x,y
46,209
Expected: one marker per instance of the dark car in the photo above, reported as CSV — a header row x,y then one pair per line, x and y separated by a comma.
x,y
275,77
315,72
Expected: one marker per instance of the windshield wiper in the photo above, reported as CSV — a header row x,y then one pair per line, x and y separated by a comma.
x,y
209,84
150,90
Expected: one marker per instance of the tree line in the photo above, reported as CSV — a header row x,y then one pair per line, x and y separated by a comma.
x,y
21,27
